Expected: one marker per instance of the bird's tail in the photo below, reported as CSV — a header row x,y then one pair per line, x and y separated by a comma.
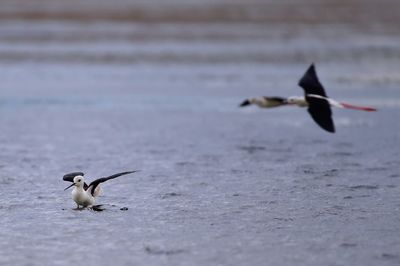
x,y
357,107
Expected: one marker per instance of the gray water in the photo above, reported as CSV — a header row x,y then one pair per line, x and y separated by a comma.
x,y
105,88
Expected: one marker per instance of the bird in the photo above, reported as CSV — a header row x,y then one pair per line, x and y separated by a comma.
x,y
315,98
265,102
83,194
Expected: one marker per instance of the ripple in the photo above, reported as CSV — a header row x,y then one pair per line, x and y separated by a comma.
x,y
361,187
390,256
252,149
171,195
163,251
348,245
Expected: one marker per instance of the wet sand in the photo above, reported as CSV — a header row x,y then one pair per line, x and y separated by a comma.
x,y
104,88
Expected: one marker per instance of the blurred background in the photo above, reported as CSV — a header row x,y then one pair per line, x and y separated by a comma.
x,y
224,47
108,86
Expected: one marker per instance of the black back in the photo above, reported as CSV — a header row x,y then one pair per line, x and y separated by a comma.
x,y
275,99
92,186
70,178
319,109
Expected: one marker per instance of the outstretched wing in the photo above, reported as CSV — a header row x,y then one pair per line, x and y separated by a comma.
x,y
310,83
320,111
70,178
318,107
92,186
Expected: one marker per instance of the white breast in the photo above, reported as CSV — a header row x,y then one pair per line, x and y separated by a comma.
x,y
82,198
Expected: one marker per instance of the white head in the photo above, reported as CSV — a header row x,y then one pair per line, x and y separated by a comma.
x,y
78,182
257,101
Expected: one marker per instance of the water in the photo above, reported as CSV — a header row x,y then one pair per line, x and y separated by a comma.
x,y
102,89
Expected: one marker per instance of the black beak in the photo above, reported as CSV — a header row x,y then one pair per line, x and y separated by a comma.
x,y
245,103
73,184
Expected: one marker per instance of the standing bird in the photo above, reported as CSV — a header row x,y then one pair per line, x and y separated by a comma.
x,y
315,98
83,194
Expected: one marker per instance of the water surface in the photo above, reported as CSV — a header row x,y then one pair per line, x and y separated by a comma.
x,y
104,88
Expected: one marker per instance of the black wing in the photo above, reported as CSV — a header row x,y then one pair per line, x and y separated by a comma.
x,y
70,178
320,111
275,99
95,183
310,83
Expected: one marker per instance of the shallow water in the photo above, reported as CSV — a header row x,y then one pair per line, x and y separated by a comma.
x,y
158,91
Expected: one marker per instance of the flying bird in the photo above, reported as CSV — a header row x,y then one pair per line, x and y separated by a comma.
x,y
83,194
318,103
